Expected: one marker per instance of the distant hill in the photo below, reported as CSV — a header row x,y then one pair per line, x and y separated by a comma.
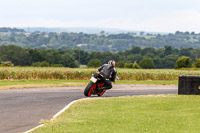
x,y
88,30
7,29
101,41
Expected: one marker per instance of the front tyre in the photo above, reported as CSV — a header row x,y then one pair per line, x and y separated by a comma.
x,y
89,88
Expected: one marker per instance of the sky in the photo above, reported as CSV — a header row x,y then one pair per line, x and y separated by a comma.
x,y
136,15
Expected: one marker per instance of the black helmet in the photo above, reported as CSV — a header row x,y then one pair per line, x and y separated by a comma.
x,y
111,62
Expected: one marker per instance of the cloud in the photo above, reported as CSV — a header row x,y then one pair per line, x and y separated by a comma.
x,y
186,20
146,15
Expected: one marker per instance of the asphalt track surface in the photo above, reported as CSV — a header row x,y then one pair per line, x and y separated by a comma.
x,y
22,109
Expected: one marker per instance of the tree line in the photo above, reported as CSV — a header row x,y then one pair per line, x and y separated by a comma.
x,y
7,29
159,58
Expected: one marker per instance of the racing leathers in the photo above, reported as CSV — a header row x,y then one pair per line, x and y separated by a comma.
x,y
108,73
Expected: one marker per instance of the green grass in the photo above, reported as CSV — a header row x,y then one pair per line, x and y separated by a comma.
x,y
151,82
22,82
9,84
138,114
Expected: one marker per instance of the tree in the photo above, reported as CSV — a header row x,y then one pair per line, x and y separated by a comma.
x,y
197,63
148,50
147,63
168,50
183,62
128,65
36,55
135,65
54,57
15,54
187,33
120,64
81,56
133,50
193,33
142,33
168,61
178,33
69,61
41,64
185,52
102,32
94,63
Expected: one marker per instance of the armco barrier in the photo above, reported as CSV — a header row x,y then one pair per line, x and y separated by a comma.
x,y
189,85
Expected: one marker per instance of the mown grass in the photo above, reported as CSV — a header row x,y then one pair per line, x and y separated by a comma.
x,y
9,84
150,82
138,114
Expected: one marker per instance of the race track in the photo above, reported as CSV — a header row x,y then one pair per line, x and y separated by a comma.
x,y
22,109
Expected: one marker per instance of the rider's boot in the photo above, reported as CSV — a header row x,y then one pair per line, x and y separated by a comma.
x,y
100,89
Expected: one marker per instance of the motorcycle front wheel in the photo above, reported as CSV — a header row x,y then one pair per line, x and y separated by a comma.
x,y
89,88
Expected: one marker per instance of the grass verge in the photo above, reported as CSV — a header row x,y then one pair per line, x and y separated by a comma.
x,y
9,84
150,82
138,114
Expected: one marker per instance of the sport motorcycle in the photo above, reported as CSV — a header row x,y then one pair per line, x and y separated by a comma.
x,y
95,83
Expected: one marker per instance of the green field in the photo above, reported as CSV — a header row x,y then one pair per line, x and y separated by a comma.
x,y
138,114
10,84
25,77
35,73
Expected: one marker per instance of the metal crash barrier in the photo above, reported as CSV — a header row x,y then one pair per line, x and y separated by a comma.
x,y
189,85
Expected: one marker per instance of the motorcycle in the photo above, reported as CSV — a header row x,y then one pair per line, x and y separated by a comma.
x,y
95,83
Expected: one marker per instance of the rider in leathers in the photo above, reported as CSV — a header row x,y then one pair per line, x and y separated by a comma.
x,y
108,73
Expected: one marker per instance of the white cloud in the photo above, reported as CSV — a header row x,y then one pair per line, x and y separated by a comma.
x,y
187,20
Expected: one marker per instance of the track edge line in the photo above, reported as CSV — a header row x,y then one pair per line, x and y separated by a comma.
x,y
57,114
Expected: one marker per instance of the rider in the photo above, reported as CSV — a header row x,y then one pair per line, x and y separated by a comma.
x,y
108,73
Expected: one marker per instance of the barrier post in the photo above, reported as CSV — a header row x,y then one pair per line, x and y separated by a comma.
x,y
189,85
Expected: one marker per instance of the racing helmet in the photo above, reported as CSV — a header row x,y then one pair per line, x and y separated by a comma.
x,y
111,62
